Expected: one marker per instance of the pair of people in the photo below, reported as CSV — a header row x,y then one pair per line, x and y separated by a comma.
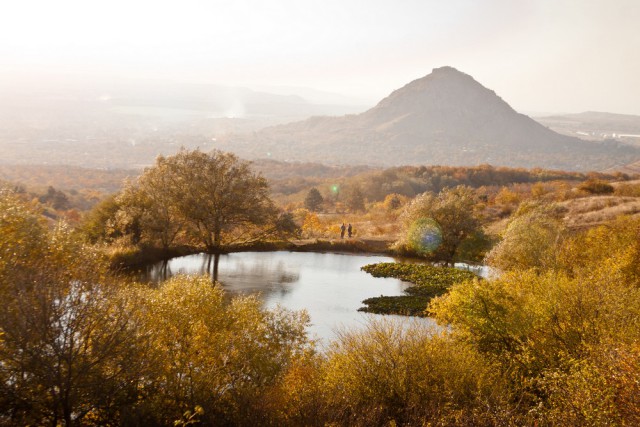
x,y
343,228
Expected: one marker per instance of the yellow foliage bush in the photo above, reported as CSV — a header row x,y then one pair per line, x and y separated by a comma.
x,y
556,330
393,374
216,354
311,227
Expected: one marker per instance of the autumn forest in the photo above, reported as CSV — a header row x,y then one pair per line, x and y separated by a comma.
x,y
549,338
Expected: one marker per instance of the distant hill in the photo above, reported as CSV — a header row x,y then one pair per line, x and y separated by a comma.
x,y
631,168
167,100
594,125
445,118
67,178
121,123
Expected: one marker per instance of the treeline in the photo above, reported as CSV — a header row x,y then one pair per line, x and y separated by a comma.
x,y
409,181
290,182
66,177
553,340
57,204
275,170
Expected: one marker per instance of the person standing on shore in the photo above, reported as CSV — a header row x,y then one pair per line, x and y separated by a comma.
x,y
342,228
349,230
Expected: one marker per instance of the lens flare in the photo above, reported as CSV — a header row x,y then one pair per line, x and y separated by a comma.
x,y
425,236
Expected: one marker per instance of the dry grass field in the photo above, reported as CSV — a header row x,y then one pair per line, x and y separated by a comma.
x,y
594,210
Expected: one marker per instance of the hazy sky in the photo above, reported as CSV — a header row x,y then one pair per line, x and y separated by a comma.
x,y
538,55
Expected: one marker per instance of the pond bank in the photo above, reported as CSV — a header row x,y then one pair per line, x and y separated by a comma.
x,y
135,257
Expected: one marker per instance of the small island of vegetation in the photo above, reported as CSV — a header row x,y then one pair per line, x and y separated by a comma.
x,y
428,282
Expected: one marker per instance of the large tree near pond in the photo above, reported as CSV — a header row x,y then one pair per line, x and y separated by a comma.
x,y
149,205
214,197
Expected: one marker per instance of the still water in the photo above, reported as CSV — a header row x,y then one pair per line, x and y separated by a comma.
x,y
329,286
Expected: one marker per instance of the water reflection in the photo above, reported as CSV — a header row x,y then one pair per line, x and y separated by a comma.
x,y
246,272
330,287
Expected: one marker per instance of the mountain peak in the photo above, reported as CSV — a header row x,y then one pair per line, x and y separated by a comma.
x,y
445,117
447,69
446,73
444,90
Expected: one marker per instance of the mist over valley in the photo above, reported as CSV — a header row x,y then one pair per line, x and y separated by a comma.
x,y
445,118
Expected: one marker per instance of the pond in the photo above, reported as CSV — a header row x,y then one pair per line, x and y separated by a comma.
x,y
329,286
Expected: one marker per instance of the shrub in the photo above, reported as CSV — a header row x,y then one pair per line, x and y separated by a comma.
x,y
596,186
628,190
219,355
391,374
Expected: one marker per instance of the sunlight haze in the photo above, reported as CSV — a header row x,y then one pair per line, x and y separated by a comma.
x,y
540,56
